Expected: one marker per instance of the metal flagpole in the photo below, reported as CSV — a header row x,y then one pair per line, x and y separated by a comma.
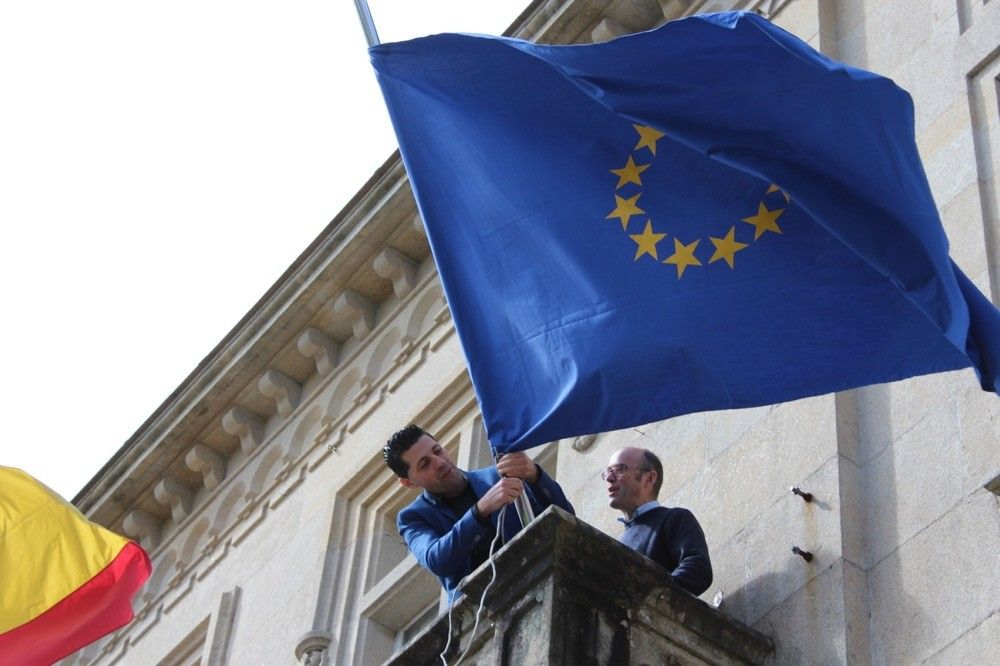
x,y
367,24
524,510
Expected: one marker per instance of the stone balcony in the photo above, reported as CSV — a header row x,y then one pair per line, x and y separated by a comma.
x,y
566,593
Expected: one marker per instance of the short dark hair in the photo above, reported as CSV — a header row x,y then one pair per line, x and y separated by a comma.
x,y
650,460
398,444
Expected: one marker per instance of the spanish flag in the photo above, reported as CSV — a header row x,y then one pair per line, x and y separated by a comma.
x,y
64,581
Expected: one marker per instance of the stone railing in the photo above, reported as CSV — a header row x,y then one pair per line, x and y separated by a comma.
x,y
567,593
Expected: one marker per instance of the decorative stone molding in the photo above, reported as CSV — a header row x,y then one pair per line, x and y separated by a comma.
x,y
171,492
326,429
583,442
246,425
285,391
770,8
607,30
635,15
367,385
211,465
357,308
144,527
221,627
674,8
251,509
313,647
116,644
317,345
394,265
993,484
406,347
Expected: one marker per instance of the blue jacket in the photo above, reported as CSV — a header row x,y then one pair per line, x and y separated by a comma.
x,y
442,542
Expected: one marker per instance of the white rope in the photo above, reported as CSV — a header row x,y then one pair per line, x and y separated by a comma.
x,y
451,602
482,599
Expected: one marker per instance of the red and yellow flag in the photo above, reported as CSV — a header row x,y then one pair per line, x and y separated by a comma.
x,y
64,581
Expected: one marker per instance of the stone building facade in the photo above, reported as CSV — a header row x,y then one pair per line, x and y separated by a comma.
x,y
258,489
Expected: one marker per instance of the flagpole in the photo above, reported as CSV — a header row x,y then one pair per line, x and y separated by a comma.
x,y
367,24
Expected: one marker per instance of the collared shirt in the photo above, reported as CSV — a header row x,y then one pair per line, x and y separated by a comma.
x,y
648,506
449,502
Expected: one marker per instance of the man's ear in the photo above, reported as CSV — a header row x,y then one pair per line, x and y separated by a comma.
x,y
653,479
406,483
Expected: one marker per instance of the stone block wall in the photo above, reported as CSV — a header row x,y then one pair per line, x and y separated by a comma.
x,y
259,490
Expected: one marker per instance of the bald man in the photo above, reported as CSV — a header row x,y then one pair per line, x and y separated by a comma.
x,y
671,537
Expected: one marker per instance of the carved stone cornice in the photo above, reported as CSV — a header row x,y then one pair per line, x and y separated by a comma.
x,y
246,425
281,388
172,493
255,373
394,265
312,647
380,210
317,345
144,527
211,465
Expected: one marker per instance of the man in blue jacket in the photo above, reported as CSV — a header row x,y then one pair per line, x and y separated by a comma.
x,y
450,526
670,536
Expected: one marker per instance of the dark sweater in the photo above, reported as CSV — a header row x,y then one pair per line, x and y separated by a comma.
x,y
459,505
673,538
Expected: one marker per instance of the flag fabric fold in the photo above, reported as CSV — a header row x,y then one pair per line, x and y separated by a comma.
x,y
708,215
67,581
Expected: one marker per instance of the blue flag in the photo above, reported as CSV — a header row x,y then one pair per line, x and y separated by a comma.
x,y
709,215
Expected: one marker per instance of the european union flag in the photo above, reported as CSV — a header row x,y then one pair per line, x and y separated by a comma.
x,y
705,216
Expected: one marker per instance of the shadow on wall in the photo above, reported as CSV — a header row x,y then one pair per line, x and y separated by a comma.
x,y
827,618
800,625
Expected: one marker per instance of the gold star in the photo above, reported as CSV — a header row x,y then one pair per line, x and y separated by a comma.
x,y
726,247
647,137
625,209
774,188
647,241
683,256
629,173
764,220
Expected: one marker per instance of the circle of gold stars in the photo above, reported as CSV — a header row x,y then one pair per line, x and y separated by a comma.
x,y
725,248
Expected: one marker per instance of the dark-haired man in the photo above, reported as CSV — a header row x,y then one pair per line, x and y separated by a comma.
x,y
449,527
670,536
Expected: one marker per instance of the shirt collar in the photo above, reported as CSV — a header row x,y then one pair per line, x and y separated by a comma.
x,y
648,506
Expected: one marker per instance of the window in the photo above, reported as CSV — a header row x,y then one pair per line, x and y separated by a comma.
x,y
418,624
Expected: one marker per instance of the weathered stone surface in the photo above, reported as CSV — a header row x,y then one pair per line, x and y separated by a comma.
x,y
757,570
935,588
910,23
912,483
780,437
305,549
567,594
979,424
973,646
392,264
801,19
816,611
726,428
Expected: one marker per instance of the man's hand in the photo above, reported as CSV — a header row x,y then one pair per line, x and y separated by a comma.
x,y
503,492
518,465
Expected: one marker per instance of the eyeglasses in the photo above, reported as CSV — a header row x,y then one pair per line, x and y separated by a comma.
x,y
619,469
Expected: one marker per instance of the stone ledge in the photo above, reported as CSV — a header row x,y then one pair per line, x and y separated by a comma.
x,y
567,593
